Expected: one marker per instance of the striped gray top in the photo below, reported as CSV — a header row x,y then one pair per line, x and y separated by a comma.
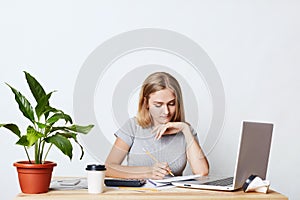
x,y
170,148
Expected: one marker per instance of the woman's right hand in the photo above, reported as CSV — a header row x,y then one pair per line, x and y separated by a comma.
x,y
159,170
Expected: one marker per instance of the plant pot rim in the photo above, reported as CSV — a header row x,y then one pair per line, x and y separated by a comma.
x,y
27,164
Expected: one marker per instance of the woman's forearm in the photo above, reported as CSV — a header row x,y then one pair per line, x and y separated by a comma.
x,y
195,155
120,171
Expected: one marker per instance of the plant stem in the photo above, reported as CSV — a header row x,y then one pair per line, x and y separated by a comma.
x,y
42,150
36,154
47,153
37,149
27,155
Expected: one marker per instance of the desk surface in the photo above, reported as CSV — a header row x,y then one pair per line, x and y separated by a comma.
x,y
173,193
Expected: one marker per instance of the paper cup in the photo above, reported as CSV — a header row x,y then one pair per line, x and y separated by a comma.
x,y
95,178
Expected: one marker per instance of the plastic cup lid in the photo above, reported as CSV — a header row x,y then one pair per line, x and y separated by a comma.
x,y
95,167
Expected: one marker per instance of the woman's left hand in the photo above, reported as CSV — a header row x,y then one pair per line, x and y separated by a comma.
x,y
169,128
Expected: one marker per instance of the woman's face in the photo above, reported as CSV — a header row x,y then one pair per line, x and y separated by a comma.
x,y
162,106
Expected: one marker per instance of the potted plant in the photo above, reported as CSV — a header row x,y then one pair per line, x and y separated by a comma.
x,y
44,131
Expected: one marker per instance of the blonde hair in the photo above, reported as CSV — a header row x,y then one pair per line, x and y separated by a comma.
x,y
153,83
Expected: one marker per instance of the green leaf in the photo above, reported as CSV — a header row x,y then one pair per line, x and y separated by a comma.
x,y
59,116
69,135
73,136
61,143
23,141
47,110
46,128
24,105
41,125
57,128
13,128
33,136
43,105
80,129
35,87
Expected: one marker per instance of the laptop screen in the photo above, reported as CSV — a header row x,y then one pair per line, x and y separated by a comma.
x,y
254,151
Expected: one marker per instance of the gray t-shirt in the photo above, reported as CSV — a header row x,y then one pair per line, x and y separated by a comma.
x,y
170,148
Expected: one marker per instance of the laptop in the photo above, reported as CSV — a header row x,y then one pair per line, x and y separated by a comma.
x,y
253,157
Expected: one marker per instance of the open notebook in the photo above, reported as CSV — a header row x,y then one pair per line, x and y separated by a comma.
x,y
168,181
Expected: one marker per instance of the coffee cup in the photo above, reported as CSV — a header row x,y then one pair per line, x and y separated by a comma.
x,y
95,178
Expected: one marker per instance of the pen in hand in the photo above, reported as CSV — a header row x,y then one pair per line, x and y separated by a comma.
x,y
151,156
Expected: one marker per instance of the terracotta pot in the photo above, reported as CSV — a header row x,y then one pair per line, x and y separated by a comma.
x,y
34,178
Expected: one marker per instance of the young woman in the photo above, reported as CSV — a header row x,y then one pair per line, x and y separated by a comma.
x,y
158,141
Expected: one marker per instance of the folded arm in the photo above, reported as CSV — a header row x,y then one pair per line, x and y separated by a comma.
x,y
115,168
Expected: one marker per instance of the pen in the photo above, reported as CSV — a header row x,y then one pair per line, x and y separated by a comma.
x,y
151,156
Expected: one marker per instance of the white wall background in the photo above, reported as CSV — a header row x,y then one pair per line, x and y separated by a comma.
x,y
255,46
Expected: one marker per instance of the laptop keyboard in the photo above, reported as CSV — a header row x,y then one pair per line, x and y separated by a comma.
x,y
221,182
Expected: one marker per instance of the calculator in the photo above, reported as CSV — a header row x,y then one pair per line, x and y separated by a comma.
x,y
115,182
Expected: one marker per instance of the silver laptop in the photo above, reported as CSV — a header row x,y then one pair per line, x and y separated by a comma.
x,y
253,157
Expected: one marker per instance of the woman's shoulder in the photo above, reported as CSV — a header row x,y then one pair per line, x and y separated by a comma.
x,y
131,123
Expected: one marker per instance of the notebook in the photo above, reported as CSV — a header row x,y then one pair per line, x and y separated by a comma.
x,y
253,157
169,180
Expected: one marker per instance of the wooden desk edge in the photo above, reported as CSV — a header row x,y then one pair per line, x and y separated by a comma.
x,y
179,193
